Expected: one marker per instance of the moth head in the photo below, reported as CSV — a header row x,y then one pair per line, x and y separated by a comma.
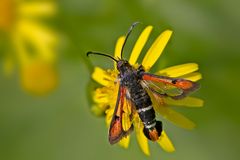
x,y
123,66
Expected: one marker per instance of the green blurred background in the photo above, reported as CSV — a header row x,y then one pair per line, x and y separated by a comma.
x,y
60,126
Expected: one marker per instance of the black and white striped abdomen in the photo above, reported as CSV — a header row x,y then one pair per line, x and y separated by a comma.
x,y
143,105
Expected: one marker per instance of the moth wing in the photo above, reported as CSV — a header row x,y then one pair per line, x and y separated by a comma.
x,y
168,113
120,125
175,88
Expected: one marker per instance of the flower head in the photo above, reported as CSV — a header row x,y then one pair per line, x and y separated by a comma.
x,y
105,97
31,43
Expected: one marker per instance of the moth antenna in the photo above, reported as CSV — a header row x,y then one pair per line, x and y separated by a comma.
x,y
102,54
127,35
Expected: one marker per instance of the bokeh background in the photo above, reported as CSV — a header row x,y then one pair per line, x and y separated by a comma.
x,y
45,75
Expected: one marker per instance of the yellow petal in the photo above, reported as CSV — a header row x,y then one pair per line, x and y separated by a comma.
x,y
156,49
109,114
124,142
42,39
140,44
142,140
179,70
118,48
186,102
195,76
101,76
165,142
100,95
37,9
175,117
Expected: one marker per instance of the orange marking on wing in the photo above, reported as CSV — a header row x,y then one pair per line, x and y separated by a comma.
x,y
119,109
156,79
153,134
116,130
123,92
184,84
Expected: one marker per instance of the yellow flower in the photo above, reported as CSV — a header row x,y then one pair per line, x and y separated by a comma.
x,y
31,43
106,96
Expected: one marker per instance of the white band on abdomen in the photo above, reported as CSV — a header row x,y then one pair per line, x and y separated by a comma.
x,y
150,125
144,109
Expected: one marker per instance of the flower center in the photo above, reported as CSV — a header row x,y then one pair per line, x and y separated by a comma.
x,y
7,8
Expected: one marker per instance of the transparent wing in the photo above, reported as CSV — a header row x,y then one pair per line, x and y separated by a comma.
x,y
176,88
169,114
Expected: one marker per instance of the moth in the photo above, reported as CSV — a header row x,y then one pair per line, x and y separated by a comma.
x,y
138,88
